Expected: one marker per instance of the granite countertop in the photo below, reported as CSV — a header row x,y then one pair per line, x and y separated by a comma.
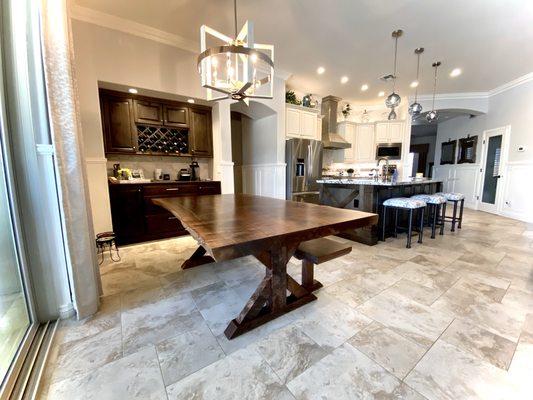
x,y
372,182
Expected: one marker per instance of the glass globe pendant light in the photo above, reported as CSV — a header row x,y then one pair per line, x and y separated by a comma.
x,y
237,67
394,100
432,116
416,108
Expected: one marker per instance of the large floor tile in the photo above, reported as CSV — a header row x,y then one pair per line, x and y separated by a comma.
x,y
134,377
184,354
392,351
289,352
348,374
241,375
449,373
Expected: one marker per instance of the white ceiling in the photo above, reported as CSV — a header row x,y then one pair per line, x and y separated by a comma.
x,y
490,40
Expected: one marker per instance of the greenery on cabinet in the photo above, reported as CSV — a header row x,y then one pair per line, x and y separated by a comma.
x,y
290,98
346,110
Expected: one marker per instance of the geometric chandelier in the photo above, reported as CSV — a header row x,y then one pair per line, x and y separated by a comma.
x,y
236,67
393,100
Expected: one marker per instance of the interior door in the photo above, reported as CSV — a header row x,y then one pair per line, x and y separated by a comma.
x,y
491,170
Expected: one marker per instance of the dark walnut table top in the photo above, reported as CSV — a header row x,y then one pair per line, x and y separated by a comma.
x,y
234,225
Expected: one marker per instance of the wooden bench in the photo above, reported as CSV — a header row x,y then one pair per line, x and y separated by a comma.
x,y
318,251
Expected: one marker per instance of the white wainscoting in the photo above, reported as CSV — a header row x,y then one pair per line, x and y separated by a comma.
x,y
264,180
463,178
99,194
518,192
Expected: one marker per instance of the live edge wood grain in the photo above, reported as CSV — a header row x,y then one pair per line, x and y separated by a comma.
x,y
232,226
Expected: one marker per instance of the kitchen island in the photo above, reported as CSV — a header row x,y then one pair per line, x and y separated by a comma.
x,y
368,195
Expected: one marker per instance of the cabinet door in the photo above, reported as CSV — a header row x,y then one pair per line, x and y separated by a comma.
x,y
175,116
395,132
148,112
308,125
292,123
382,132
127,213
200,133
120,135
365,143
347,131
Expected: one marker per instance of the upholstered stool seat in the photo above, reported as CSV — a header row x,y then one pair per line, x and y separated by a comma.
x,y
436,203
454,198
408,204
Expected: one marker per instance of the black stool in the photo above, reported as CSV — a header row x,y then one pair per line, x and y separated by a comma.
x,y
456,199
103,240
407,204
436,204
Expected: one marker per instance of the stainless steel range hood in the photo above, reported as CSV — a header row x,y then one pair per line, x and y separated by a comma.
x,y
330,138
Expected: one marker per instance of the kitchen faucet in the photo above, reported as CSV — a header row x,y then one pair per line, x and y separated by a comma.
x,y
386,164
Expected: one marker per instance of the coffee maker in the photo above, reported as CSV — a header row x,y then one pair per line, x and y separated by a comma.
x,y
195,170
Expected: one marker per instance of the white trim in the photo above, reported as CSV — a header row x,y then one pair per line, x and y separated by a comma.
x,y
268,165
66,311
226,163
517,163
454,96
133,28
512,84
45,149
96,160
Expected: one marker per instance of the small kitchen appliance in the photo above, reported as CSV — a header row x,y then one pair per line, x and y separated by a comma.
x,y
184,175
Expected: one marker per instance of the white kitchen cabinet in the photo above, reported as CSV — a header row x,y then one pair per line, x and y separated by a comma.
x,y
347,130
302,122
389,132
364,145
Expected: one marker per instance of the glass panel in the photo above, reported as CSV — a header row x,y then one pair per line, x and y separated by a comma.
x,y
14,317
492,170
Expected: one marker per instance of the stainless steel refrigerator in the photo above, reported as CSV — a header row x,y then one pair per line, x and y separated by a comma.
x,y
304,167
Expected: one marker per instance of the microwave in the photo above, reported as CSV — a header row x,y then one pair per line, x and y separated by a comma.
x,y
393,151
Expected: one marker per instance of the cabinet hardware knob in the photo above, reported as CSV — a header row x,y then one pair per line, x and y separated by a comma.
x,y
172,189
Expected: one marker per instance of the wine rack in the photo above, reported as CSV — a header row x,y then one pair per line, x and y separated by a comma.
x,y
162,140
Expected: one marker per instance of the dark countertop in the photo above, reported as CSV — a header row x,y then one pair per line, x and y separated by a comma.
x,y
371,182
153,182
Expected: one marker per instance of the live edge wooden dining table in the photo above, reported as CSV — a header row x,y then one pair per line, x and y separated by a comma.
x,y
230,226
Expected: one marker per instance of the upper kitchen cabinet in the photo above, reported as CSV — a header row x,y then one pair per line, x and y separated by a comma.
x,y
200,137
347,130
120,135
302,122
148,112
389,132
364,143
175,116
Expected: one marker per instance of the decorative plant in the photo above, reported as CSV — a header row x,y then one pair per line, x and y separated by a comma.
x,y
350,170
346,110
290,97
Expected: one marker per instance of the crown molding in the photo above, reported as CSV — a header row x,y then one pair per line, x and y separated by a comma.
x,y
133,28
454,96
514,83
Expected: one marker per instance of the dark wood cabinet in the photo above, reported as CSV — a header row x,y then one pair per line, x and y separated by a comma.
x,y
119,130
137,219
175,116
148,112
201,143
135,124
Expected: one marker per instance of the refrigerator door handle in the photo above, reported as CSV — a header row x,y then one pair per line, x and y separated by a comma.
x,y
309,162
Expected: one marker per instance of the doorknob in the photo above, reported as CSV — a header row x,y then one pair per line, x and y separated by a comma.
x,y
498,176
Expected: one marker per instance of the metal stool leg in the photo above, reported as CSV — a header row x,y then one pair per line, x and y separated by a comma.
x,y
454,218
421,226
461,213
435,208
396,222
443,219
384,223
410,229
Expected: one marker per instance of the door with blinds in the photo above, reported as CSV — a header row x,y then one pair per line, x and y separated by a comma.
x,y
491,169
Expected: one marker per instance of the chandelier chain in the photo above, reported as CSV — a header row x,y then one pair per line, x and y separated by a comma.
x,y
235,16
417,74
395,58
436,65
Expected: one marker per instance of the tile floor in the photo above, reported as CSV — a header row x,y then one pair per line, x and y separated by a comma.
x,y
449,319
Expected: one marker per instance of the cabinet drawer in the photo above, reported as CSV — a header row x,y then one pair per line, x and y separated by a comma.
x,y
208,188
163,223
170,189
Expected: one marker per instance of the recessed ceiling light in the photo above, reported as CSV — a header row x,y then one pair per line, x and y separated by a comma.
x,y
381,94
190,101
132,90
455,72
320,70
414,84
344,79
364,87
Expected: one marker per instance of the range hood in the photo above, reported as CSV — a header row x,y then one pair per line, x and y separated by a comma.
x,y
330,138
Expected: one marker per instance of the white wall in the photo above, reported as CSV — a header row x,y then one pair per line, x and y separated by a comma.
x,y
511,107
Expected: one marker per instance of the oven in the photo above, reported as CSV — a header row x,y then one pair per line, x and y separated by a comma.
x,y
392,151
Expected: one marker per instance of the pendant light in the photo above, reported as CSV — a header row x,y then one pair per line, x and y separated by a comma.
x,y
432,116
237,67
416,107
393,100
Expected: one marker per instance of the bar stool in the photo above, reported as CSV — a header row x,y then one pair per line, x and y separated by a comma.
x,y
435,203
454,198
404,203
